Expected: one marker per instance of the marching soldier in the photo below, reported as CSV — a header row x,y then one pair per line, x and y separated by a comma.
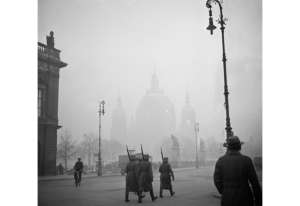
x,y
138,172
146,178
165,177
131,178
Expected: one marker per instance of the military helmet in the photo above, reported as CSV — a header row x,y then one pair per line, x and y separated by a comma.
x,y
166,159
133,157
146,156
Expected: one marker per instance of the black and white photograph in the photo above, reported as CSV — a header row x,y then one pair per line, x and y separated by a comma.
x,y
156,102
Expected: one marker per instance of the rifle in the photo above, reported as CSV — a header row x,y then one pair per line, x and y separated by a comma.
x,y
142,152
128,154
162,156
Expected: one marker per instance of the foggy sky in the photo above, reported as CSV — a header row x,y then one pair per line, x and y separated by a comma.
x,y
118,44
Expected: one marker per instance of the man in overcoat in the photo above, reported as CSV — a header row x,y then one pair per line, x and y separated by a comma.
x,y
131,178
165,177
78,167
146,178
233,173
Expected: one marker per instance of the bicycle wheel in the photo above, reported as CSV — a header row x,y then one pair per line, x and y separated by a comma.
x,y
77,179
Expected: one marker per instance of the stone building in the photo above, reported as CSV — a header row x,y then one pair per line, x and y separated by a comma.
x,y
119,123
188,119
155,117
49,65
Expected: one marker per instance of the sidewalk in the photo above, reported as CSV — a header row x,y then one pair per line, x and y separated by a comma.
x,y
90,175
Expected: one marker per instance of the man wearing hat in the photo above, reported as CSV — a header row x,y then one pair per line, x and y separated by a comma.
x,y
232,175
146,178
165,177
131,178
78,167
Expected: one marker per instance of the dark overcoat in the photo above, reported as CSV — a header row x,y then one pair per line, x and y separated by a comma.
x,y
131,179
146,176
165,176
78,166
233,173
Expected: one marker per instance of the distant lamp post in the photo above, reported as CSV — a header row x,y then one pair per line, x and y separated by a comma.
x,y
196,130
99,156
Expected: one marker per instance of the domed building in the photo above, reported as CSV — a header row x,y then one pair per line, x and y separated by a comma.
x,y
188,119
155,117
119,123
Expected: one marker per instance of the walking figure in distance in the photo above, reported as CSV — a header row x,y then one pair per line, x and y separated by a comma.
x,y
78,167
233,173
146,178
131,178
165,177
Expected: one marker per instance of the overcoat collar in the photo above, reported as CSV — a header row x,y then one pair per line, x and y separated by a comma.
x,y
229,152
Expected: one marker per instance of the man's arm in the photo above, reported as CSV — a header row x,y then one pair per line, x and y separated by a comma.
x,y
171,171
151,171
217,178
253,179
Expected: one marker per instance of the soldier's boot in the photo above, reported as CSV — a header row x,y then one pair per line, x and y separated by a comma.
x,y
152,195
160,193
126,196
140,196
171,191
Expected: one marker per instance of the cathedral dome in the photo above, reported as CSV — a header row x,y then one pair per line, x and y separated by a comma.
x,y
155,116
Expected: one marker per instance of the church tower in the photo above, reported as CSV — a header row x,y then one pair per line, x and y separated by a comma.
x,y
188,119
119,123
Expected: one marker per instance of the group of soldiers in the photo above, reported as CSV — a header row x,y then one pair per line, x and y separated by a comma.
x,y
139,177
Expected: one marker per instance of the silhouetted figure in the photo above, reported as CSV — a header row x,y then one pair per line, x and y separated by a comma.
x,y
60,169
165,177
131,178
146,178
78,167
232,175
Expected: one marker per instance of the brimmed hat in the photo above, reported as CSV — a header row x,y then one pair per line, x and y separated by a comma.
x,y
233,142
146,156
133,157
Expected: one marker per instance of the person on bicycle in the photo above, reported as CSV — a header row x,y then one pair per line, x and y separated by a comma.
x,y
78,167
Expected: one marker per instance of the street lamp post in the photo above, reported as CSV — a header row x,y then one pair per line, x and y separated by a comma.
x,y
211,27
99,156
196,130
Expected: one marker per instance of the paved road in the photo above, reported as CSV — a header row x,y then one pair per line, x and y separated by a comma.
x,y
192,187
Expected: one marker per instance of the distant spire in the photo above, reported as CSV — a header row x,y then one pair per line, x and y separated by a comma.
x,y
187,96
119,102
154,81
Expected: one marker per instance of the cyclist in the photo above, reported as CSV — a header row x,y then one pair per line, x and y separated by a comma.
x,y
78,167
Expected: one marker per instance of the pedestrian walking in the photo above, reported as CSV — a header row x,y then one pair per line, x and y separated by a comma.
x,y
233,173
131,178
165,177
60,169
146,178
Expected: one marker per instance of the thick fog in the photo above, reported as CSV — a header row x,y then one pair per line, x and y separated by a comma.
x,y
116,46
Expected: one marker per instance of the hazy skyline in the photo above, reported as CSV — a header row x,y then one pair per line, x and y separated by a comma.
x,y
116,44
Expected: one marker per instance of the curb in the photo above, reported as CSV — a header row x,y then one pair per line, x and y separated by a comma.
x,y
71,177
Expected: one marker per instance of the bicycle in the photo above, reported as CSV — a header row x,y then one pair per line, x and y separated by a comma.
x,y
77,180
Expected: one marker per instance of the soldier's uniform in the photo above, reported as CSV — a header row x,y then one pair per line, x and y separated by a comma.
x,y
146,178
165,177
131,178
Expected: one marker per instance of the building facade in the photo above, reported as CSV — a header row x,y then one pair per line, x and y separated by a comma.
x,y
155,117
49,65
119,123
188,119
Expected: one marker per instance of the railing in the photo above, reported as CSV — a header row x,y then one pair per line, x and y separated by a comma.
x,y
42,47
54,53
